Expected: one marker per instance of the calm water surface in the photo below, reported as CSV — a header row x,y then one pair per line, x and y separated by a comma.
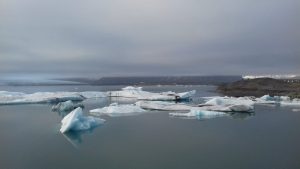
x,y
30,137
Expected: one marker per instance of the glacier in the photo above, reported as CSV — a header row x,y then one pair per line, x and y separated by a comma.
x,y
138,93
114,110
76,121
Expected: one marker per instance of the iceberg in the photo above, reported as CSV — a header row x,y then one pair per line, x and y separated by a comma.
x,y
161,105
92,94
169,106
115,109
76,121
293,103
296,110
66,106
199,114
221,101
227,104
138,93
45,97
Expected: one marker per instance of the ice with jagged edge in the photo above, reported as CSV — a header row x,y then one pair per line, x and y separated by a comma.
x,y
66,106
138,93
170,106
116,109
76,121
46,97
162,105
282,100
199,114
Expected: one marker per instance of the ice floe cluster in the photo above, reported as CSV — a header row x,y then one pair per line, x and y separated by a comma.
x,y
75,120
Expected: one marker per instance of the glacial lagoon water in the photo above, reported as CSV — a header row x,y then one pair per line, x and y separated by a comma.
x,y
30,137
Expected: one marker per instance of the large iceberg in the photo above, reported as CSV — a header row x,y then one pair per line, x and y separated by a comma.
x,y
240,104
199,114
45,97
171,106
138,93
115,109
77,121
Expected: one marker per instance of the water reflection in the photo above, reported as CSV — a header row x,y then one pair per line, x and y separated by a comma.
x,y
232,115
75,137
241,115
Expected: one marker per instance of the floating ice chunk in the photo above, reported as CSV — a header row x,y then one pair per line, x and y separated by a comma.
x,y
169,106
228,108
294,102
186,95
138,93
66,106
285,98
221,101
296,110
160,105
131,88
92,94
240,104
45,97
199,114
76,121
266,99
115,109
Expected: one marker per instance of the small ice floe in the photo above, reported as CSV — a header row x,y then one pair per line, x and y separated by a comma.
x,y
138,93
76,121
115,109
92,94
66,106
45,97
287,101
161,105
266,99
296,110
199,114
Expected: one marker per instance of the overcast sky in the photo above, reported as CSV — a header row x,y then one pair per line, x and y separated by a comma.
x,y
149,37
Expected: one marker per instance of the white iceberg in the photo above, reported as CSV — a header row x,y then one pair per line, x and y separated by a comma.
x,y
77,121
161,105
199,114
138,93
293,103
221,101
282,100
66,106
115,109
170,106
92,94
45,97
227,104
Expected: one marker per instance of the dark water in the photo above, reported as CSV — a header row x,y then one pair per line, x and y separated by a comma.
x,y
30,137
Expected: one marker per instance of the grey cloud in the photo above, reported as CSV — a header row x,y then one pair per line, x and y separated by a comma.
x,y
149,37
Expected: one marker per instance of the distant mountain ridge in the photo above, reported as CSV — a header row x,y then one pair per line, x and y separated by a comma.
x,y
160,80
